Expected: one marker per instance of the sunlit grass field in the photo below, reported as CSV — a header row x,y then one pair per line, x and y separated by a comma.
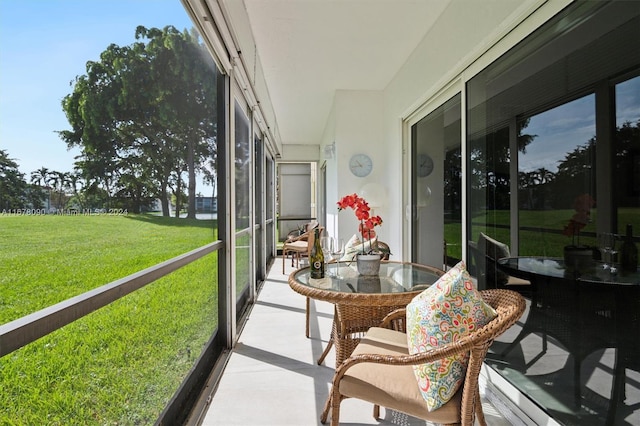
x,y
121,364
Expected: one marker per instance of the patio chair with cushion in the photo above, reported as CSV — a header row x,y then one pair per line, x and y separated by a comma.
x,y
382,370
297,243
485,254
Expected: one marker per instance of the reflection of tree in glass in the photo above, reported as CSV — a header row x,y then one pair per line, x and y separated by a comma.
x,y
541,188
489,167
627,164
453,182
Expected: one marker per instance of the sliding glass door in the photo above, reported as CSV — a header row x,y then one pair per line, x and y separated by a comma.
x,y
436,186
553,130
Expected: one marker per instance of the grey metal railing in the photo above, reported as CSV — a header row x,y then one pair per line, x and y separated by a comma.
x,y
22,331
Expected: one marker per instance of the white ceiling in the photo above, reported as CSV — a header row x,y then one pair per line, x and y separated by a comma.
x,y
311,48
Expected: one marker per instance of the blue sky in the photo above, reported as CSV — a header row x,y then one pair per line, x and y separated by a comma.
x,y
560,130
44,45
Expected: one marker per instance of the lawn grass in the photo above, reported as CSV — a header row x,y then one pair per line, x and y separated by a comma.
x,y
47,259
121,364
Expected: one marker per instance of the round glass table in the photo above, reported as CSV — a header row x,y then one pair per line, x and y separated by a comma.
x,y
360,301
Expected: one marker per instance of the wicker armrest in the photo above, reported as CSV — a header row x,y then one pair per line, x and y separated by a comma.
x,y
395,320
507,315
297,235
303,236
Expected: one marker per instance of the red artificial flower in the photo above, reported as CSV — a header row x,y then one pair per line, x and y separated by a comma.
x,y
362,212
347,201
582,205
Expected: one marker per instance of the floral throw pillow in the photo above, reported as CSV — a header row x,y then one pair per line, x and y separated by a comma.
x,y
444,313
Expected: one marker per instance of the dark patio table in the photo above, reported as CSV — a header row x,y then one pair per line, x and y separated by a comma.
x,y
585,309
536,267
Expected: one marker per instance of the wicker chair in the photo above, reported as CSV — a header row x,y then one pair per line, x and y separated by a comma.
x,y
379,370
297,245
484,265
384,248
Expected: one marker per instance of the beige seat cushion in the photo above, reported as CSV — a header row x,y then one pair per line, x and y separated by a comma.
x,y
300,246
493,250
517,281
393,386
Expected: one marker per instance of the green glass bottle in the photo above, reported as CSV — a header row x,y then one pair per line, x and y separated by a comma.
x,y
629,253
316,258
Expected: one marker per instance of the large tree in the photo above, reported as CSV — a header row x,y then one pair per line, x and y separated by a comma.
x,y
145,113
15,192
12,184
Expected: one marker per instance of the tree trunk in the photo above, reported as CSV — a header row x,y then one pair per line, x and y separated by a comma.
x,y
137,199
164,201
191,171
178,197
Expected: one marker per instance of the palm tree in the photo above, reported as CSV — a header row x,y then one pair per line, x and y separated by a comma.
x,y
59,181
544,175
74,180
40,177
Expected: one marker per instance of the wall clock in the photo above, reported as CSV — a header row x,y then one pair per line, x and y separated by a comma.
x,y
424,165
360,165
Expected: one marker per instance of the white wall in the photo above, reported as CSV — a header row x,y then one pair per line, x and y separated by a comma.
x,y
356,127
332,179
301,153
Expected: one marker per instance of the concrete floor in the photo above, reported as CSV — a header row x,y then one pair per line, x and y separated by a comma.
x,y
272,377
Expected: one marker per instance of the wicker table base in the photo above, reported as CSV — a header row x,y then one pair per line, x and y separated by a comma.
x,y
351,324
361,303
